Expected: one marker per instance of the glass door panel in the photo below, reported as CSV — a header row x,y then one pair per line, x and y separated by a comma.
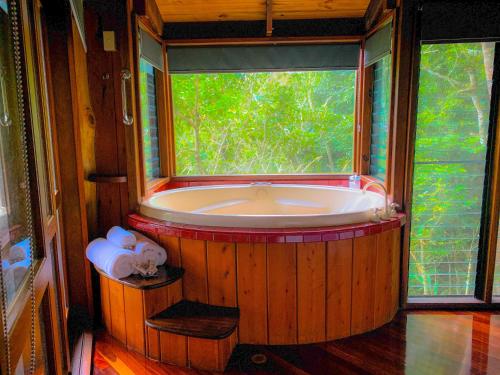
x,y
15,211
449,167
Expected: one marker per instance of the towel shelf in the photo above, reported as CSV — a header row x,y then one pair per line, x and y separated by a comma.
x,y
107,179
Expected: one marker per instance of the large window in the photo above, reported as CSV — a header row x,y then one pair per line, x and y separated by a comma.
x,y
449,167
264,122
149,120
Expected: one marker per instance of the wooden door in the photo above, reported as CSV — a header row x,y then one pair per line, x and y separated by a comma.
x,y
34,304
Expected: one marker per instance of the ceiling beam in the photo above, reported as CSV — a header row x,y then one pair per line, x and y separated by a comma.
x,y
269,17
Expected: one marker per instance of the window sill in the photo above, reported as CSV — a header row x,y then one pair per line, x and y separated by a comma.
x,y
262,177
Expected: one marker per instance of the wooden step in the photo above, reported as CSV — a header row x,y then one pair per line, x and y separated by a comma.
x,y
196,319
196,335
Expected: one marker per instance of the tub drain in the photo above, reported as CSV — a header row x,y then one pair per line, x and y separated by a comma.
x,y
258,359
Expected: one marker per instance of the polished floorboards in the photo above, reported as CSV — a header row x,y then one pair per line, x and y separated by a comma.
x,y
431,342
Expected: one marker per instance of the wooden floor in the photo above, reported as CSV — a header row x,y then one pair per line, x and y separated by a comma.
x,y
435,343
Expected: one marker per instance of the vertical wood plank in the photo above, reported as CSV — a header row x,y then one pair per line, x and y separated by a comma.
x,y
174,292
153,343
396,264
172,246
339,284
117,308
155,301
105,305
173,348
134,319
194,262
383,279
363,291
311,292
252,292
282,293
204,354
221,266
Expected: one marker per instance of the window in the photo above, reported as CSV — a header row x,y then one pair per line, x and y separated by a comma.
x,y
264,122
380,116
449,167
149,120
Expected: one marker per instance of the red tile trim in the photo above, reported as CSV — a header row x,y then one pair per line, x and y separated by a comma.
x,y
259,235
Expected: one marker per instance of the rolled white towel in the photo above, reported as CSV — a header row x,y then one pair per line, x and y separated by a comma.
x,y
19,251
149,249
121,238
113,260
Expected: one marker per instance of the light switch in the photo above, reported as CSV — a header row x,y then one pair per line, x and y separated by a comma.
x,y
109,42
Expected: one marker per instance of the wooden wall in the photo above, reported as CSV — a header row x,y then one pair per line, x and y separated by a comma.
x,y
294,293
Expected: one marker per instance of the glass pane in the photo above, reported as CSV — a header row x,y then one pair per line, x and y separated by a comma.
x,y
149,121
14,194
263,123
381,103
450,153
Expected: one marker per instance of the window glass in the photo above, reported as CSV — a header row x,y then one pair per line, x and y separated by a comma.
x,y
264,122
381,103
149,120
449,166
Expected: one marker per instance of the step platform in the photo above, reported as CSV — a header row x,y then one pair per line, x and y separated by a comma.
x,y
197,335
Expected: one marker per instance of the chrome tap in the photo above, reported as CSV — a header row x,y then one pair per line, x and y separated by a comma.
x,y
389,211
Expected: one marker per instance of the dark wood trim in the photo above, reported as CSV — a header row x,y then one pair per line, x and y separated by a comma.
x,y
449,303
376,10
263,41
366,121
256,29
406,117
105,179
269,18
150,15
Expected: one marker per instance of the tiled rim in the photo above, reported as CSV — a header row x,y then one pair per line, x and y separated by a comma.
x,y
259,235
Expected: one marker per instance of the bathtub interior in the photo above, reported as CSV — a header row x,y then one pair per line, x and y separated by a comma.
x,y
254,200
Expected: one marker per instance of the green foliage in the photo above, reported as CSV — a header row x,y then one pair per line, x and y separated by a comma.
x,y
450,154
262,123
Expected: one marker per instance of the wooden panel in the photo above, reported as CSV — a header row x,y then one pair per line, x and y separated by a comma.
x,y
153,344
338,294
383,279
117,308
105,304
221,266
396,264
311,291
172,246
155,301
282,293
134,319
226,10
174,292
194,262
363,282
252,293
173,348
204,354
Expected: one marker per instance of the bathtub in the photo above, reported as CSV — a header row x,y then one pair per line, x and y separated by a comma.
x,y
263,206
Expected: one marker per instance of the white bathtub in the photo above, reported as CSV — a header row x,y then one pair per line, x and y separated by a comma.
x,y
263,206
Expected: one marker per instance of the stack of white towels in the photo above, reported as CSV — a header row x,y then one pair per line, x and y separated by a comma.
x,y
123,253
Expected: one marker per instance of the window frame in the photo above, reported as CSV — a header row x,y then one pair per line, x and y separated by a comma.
x,y
364,129
170,144
163,114
482,298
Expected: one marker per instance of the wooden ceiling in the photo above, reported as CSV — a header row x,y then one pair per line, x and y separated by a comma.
x,y
251,10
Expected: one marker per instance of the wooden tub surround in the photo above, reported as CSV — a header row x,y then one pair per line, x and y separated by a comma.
x,y
251,286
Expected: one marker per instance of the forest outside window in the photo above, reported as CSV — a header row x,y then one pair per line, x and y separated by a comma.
x,y
262,110
449,167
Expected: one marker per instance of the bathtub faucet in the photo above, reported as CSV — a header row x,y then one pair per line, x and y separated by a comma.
x,y
389,211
